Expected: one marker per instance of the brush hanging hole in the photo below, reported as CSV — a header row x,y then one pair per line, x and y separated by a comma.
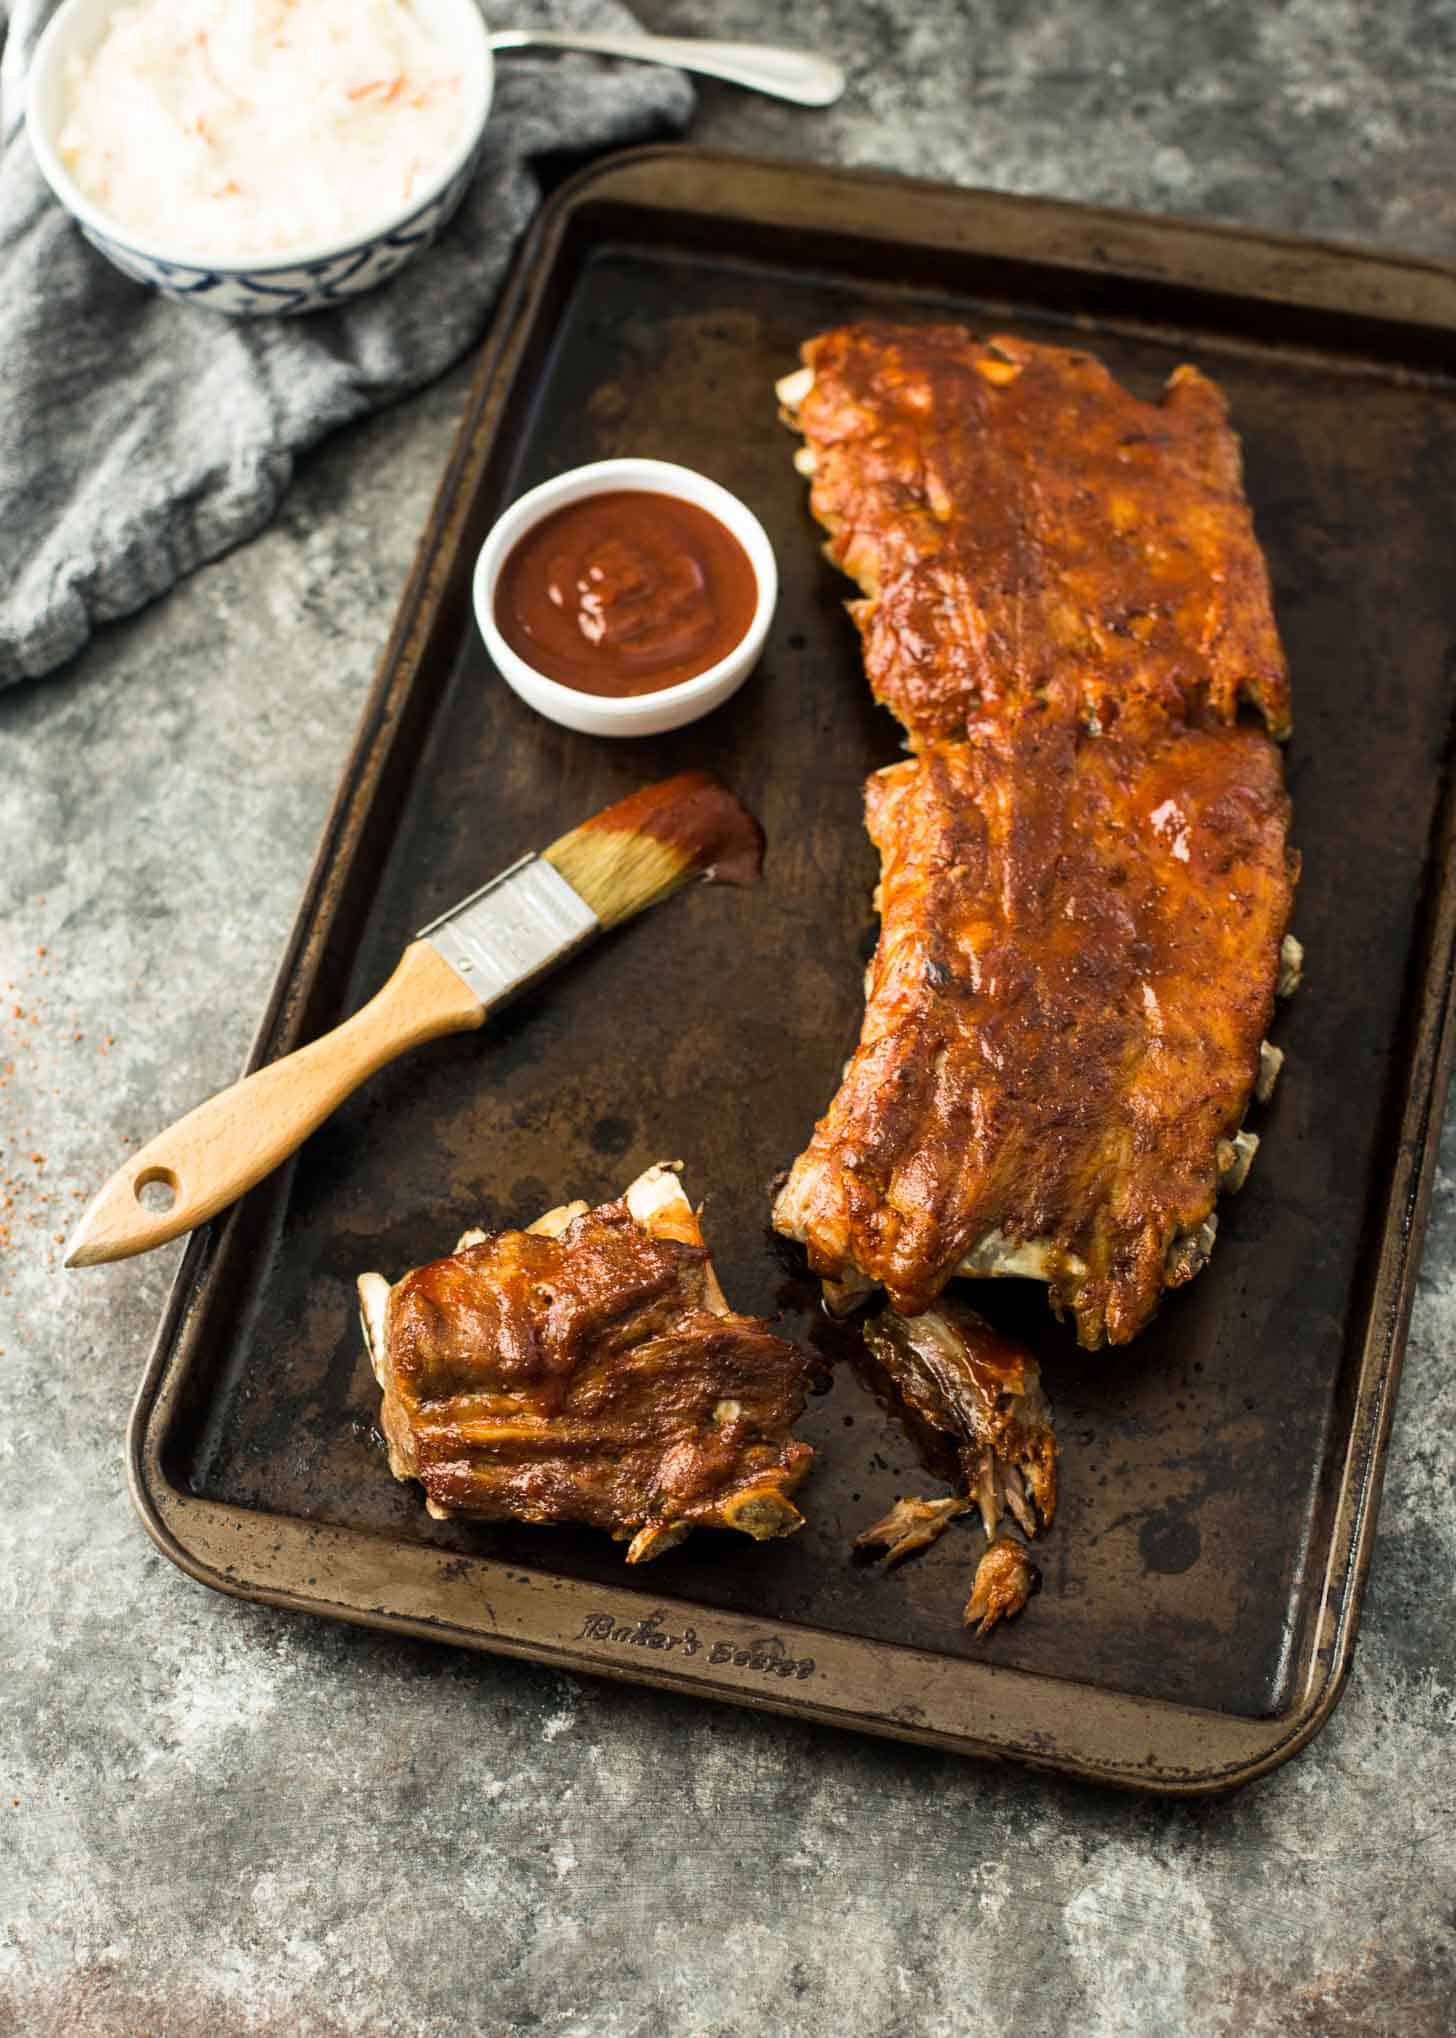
x,y
156,1190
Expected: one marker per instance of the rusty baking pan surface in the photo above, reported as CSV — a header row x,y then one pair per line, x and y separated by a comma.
x,y
1202,1580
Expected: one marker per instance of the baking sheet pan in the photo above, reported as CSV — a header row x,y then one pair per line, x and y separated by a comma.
x,y
1201,1583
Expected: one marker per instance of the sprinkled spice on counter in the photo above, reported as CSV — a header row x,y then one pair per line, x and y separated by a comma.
x,y
34,1044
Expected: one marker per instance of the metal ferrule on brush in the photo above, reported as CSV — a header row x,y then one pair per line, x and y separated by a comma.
x,y
513,929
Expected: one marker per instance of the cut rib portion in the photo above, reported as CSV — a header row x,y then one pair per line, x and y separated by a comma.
x,y
589,1370
960,1380
1080,940
1015,518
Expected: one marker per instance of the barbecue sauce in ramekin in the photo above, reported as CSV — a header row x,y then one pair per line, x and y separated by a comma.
x,y
625,593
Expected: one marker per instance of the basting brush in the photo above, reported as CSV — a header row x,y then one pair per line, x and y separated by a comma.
x,y
459,968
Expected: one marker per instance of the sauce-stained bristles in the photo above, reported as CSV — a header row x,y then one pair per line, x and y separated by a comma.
x,y
619,873
638,852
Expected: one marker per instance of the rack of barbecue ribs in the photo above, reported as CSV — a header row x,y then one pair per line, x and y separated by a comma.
x,y
1086,880
1077,963
588,1369
1013,516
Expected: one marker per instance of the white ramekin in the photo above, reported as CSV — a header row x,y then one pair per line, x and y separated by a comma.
x,y
308,279
644,714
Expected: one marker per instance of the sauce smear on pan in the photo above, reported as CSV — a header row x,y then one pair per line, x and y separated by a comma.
x,y
625,593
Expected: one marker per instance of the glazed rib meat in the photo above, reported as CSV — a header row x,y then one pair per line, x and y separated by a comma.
x,y
1015,518
1079,948
1086,879
589,1370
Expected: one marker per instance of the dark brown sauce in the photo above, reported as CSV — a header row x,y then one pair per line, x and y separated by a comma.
x,y
625,593
698,818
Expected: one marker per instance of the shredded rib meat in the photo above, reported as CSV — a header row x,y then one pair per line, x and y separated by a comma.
x,y
1005,1579
589,1370
958,1378
910,1526
1015,518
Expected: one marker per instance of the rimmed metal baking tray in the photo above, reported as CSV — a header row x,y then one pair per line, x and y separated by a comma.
x,y
1220,1477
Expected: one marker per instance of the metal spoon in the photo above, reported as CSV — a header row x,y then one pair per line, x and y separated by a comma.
x,y
784,74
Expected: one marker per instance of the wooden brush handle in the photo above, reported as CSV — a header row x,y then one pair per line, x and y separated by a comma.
x,y
209,1158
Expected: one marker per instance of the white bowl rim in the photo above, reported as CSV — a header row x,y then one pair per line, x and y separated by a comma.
x,y
636,476
50,49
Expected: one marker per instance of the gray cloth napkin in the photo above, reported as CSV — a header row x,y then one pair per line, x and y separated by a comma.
x,y
139,438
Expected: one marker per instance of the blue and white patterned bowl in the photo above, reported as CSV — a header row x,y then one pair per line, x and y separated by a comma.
x,y
311,278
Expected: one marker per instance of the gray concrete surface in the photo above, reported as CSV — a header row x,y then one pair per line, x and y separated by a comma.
x,y
218,1819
